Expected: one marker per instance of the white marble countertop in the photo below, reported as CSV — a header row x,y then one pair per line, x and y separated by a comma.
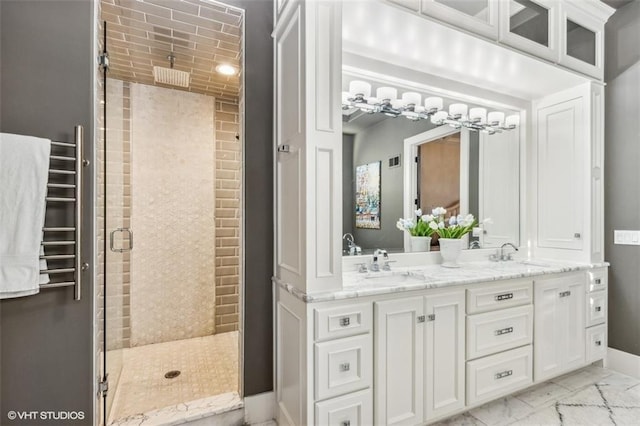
x,y
413,278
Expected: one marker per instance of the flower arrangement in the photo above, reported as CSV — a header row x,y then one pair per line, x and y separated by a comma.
x,y
418,227
455,227
426,225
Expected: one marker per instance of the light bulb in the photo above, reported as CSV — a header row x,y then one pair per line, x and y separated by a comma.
x,y
387,93
433,104
458,110
357,87
495,118
478,115
439,117
512,121
411,98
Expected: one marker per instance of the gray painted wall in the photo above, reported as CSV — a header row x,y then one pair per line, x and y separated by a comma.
x,y
378,143
46,340
258,181
348,220
622,174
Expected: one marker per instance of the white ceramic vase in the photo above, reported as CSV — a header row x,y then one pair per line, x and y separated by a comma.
x,y
420,244
450,249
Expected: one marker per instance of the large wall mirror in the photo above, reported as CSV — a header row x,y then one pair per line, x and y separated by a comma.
x,y
394,165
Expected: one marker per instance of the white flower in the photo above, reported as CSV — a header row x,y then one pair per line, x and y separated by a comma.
x,y
441,225
439,211
433,225
427,218
468,220
452,221
400,225
418,212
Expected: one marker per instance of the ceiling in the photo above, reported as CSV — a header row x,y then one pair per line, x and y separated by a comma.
x,y
617,4
201,34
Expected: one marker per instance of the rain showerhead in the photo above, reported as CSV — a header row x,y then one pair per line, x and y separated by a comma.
x,y
171,76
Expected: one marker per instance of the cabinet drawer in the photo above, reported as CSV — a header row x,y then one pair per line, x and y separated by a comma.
x,y
343,365
497,375
354,409
342,321
598,279
498,331
596,343
497,296
596,308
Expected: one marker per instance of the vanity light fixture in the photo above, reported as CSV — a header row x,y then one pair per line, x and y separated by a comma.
x,y
410,106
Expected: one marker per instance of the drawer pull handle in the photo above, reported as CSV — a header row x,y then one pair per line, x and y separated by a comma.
x,y
504,374
576,235
598,308
598,343
431,317
345,423
421,318
565,293
345,366
345,321
598,281
505,296
504,331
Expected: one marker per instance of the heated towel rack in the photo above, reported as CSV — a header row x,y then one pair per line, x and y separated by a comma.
x,y
62,241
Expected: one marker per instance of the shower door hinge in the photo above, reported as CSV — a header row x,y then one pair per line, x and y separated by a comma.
x,y
103,386
103,61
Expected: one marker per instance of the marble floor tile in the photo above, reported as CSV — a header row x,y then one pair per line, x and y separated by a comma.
x,y
620,381
464,419
547,416
582,378
543,394
502,411
571,415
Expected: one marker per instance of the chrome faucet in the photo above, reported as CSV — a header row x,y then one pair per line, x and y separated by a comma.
x,y
375,266
506,256
354,249
500,255
474,244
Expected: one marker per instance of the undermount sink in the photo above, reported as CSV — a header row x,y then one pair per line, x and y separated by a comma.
x,y
391,276
534,263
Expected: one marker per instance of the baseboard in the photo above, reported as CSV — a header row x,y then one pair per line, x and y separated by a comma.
x,y
259,408
623,362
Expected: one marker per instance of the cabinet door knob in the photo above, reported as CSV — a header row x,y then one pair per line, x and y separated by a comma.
x,y
345,366
598,343
421,318
345,423
576,235
598,280
564,293
345,321
431,317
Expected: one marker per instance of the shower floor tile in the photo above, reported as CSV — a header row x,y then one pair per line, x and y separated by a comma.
x,y
208,366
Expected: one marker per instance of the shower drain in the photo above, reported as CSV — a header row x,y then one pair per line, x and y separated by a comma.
x,y
172,374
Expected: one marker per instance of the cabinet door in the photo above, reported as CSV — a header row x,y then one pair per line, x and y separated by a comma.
x,y
561,175
582,41
445,351
477,16
548,328
531,26
574,306
399,362
559,323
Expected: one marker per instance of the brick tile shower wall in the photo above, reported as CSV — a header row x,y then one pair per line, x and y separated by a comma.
x,y
228,215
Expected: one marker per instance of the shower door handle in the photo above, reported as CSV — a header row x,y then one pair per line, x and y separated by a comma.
x,y
112,238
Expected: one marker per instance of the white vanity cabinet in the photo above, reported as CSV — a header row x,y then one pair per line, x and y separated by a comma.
x,y
596,308
559,340
419,355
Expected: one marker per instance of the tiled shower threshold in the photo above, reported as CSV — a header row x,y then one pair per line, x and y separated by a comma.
x,y
187,412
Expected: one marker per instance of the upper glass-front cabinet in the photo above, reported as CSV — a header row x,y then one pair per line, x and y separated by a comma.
x,y
477,16
566,32
581,41
531,26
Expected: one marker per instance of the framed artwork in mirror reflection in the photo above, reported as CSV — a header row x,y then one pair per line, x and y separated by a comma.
x,y
367,200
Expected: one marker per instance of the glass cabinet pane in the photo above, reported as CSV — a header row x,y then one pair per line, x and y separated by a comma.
x,y
529,20
478,9
581,42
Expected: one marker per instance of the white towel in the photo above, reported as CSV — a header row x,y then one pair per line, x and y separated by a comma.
x,y
24,171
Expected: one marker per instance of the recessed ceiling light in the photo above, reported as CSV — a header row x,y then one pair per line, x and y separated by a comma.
x,y
226,69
